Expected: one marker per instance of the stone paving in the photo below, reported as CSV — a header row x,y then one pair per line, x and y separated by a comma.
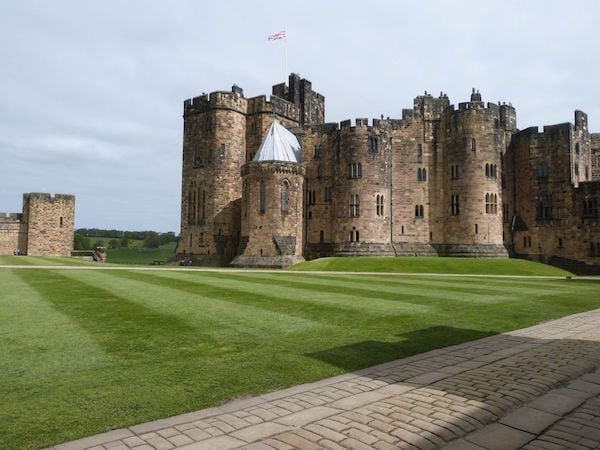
x,y
535,388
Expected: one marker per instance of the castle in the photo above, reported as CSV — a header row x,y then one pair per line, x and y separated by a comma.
x,y
44,228
442,180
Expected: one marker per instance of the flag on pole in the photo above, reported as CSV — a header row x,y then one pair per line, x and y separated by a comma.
x,y
278,35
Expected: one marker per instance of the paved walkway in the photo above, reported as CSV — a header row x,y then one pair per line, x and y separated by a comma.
x,y
535,388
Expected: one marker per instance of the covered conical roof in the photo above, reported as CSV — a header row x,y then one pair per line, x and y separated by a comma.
x,y
279,145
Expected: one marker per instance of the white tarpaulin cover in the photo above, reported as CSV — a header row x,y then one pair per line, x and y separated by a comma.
x,y
279,145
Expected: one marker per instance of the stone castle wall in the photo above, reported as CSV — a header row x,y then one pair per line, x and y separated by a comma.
x,y
11,233
49,221
439,181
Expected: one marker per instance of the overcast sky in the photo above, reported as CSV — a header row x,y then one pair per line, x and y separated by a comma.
x,y
91,92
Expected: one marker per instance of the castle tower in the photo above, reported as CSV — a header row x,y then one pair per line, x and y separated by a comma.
x,y
214,149
49,221
472,180
272,203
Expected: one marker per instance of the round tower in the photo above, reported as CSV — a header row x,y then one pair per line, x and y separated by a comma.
x,y
473,189
272,203
214,148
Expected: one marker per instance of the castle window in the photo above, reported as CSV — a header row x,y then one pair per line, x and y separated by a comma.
x,y
577,149
543,207
312,197
491,170
454,172
419,211
491,203
222,151
318,152
590,207
473,144
454,205
476,229
354,235
421,174
354,170
560,243
262,197
284,196
576,169
354,205
328,193
60,222
420,153
380,205
321,236
373,145
320,171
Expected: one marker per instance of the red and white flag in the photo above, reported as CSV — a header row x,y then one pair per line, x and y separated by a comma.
x,y
278,35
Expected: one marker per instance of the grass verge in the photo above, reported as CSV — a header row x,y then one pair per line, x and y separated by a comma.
x,y
86,351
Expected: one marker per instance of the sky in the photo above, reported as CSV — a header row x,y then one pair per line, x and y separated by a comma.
x,y
91,92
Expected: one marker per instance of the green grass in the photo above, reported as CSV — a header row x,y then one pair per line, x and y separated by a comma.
x,y
410,264
85,351
137,254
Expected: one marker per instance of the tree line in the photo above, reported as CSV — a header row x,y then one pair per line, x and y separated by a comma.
x,y
91,238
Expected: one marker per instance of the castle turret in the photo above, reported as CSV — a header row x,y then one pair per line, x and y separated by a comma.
x,y
472,180
272,203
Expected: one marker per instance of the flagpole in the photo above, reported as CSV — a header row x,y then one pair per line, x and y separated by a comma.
x,y
286,60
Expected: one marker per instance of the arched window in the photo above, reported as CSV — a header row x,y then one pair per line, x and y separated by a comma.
x,y
487,170
380,205
487,203
473,144
262,197
60,222
359,170
421,211
357,206
284,196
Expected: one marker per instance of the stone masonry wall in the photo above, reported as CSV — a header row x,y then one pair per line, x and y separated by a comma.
x,y
50,223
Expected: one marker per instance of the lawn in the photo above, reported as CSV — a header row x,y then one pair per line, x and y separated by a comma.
x,y
85,351
137,254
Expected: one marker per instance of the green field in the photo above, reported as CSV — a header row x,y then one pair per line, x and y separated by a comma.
x,y
85,351
137,254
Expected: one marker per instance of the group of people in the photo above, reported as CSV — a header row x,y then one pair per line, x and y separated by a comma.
x,y
17,252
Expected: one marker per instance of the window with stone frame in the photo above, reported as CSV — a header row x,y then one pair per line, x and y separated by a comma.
x,y
354,170
543,207
455,205
285,186
419,153
419,211
354,205
454,174
373,145
262,197
421,174
590,207
379,205
491,203
328,193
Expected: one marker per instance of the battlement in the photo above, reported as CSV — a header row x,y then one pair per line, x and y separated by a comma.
x,y
233,100
48,197
362,122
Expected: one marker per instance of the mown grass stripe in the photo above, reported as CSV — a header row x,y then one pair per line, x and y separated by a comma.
x,y
196,304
